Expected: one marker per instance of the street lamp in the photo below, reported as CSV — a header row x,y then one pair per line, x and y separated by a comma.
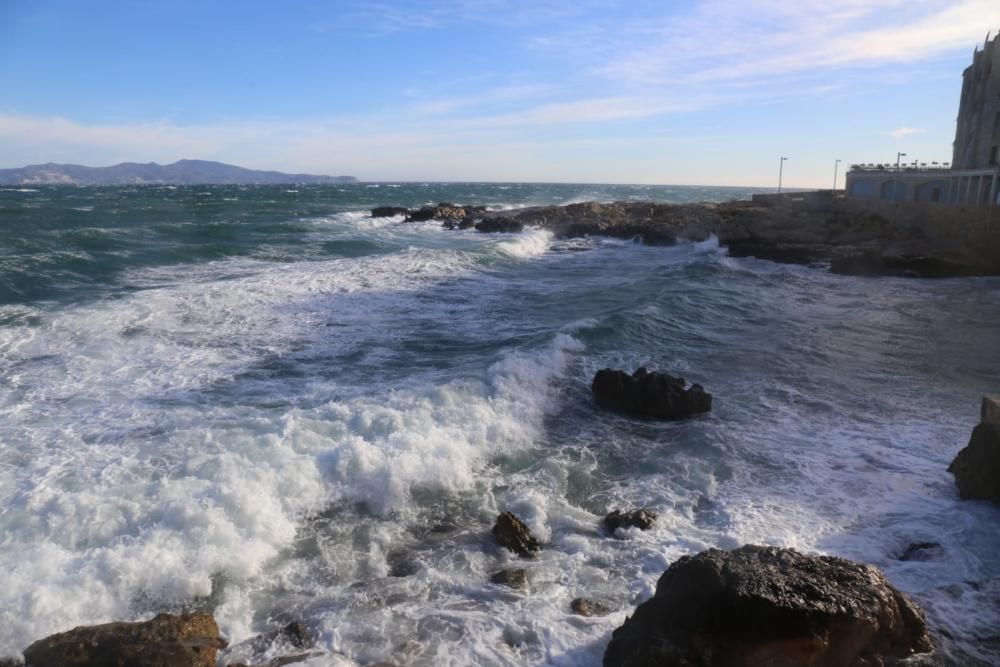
x,y
781,169
835,165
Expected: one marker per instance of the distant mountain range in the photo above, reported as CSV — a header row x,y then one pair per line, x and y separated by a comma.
x,y
182,172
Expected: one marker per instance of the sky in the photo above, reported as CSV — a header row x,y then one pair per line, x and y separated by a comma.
x,y
689,93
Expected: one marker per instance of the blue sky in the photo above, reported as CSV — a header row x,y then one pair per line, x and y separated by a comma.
x,y
709,92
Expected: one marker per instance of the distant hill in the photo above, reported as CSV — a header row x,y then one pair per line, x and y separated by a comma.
x,y
182,172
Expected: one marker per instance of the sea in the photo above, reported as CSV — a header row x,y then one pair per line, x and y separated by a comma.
x,y
261,402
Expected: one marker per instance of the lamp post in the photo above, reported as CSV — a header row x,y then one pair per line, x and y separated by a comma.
x,y
835,165
781,170
895,180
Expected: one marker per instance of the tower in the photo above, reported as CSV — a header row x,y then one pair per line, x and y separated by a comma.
x,y
977,134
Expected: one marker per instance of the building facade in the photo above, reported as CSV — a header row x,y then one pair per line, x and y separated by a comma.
x,y
973,177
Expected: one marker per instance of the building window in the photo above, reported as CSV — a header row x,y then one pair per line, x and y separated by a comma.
x,y
994,154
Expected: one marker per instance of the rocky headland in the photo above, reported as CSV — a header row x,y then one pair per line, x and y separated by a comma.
x,y
850,236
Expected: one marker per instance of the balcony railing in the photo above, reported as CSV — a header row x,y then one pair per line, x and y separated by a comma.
x,y
903,168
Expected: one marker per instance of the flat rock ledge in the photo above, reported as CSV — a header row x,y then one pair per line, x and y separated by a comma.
x,y
646,394
187,640
764,606
977,466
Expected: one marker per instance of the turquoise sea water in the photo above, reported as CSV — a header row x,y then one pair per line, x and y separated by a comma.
x,y
261,401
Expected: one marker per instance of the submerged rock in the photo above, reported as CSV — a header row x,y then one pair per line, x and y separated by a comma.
x,y
921,551
517,578
759,606
646,394
510,532
389,211
643,519
585,607
977,467
188,640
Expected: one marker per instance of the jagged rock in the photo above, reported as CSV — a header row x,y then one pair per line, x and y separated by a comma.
x,y
763,606
188,640
977,467
498,225
648,394
642,519
510,532
921,551
389,211
585,607
443,211
517,578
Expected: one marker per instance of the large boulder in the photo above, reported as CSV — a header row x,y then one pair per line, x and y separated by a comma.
x,y
764,606
187,640
510,532
646,394
977,467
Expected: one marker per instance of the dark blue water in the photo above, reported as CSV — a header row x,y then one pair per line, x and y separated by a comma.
x,y
262,402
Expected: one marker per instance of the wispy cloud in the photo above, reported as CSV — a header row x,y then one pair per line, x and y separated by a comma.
x,y
901,132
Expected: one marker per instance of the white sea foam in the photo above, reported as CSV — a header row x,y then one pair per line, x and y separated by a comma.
x,y
531,243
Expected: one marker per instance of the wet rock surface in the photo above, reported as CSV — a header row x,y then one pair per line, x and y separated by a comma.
x,y
511,533
642,519
187,640
759,606
588,607
515,578
646,394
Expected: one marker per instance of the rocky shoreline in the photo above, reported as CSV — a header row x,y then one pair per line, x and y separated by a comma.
x,y
754,606
850,238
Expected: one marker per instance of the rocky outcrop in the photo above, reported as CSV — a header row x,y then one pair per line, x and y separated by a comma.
x,y
646,394
511,533
643,519
586,607
188,640
389,211
499,225
854,237
516,579
977,466
765,606
445,211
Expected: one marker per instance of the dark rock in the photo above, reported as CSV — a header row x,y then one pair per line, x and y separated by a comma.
x,y
921,551
389,211
784,253
443,211
499,225
642,519
585,607
879,264
510,532
402,564
517,578
297,634
977,467
761,606
646,394
188,640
